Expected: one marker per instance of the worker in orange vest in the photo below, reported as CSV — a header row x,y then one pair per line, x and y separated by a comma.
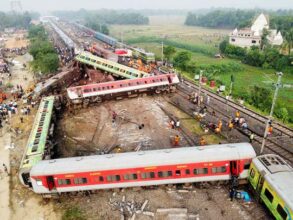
x,y
230,125
217,130
220,124
237,114
202,141
270,130
176,140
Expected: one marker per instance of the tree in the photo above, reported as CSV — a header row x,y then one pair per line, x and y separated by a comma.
x,y
105,29
261,98
37,31
223,45
283,114
169,51
182,59
289,40
38,48
264,38
254,57
49,63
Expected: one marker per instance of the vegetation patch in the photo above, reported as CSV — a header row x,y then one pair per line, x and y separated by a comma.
x,y
73,213
45,57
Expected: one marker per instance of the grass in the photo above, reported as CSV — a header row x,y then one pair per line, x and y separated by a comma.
x,y
73,213
171,30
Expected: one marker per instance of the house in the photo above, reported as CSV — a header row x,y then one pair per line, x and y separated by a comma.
x,y
252,36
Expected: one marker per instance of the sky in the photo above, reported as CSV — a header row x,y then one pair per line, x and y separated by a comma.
x,y
49,5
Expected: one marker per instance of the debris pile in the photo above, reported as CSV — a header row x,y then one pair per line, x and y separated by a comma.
x,y
129,209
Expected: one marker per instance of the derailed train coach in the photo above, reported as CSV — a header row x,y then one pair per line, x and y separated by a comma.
x,y
271,178
39,146
145,168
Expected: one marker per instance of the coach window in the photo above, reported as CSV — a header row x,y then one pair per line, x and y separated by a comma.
x,y
64,182
101,179
109,178
219,169
281,212
80,180
246,165
165,173
269,195
148,175
200,171
178,172
187,171
39,182
130,176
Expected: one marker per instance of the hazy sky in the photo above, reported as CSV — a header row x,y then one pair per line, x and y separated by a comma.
x,y
47,5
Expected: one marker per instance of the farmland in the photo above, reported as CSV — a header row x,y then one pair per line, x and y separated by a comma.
x,y
202,43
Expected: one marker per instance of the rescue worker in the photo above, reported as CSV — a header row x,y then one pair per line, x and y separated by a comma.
x,y
251,137
220,124
270,130
232,193
176,140
114,115
178,124
237,114
230,125
218,130
202,141
172,124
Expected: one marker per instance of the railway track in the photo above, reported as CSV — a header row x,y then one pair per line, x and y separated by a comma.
x,y
281,128
273,145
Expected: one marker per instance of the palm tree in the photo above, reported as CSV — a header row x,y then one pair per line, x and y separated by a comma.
x,y
289,40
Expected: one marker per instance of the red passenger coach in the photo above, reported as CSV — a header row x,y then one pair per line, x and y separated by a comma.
x,y
157,83
155,167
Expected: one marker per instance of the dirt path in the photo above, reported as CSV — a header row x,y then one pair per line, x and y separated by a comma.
x,y
5,140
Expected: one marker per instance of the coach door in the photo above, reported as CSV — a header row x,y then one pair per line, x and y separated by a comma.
x,y
234,168
169,79
50,182
260,183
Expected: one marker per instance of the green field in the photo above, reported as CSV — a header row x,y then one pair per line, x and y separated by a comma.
x,y
197,40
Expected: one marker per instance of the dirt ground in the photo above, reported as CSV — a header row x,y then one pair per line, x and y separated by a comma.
x,y
16,41
204,201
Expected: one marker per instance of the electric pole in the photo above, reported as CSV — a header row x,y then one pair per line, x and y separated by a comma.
x,y
199,87
162,51
121,37
280,74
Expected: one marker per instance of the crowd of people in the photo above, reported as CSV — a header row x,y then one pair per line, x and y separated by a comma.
x,y
8,108
65,54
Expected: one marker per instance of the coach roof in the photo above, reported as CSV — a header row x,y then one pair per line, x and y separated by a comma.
x,y
161,157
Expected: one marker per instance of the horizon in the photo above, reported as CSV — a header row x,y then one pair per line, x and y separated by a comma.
x,y
188,5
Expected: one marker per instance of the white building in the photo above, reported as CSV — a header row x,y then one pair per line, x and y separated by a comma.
x,y
248,37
